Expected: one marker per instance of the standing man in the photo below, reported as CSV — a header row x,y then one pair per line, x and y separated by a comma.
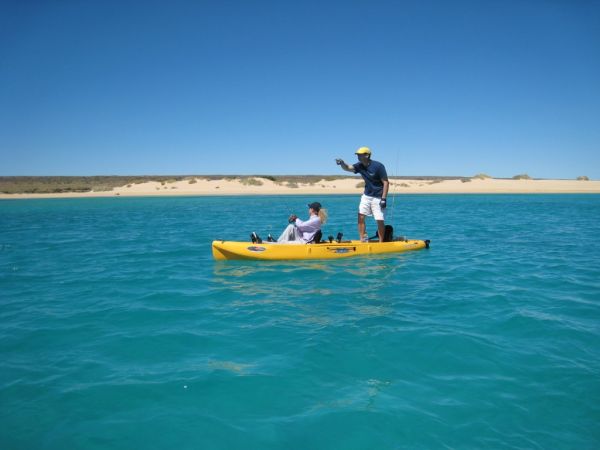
x,y
374,200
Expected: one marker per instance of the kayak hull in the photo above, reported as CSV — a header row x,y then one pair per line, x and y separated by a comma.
x,y
226,250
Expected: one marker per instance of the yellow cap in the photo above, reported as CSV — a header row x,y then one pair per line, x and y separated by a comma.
x,y
363,151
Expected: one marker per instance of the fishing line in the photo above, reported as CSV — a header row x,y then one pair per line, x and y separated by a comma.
x,y
394,189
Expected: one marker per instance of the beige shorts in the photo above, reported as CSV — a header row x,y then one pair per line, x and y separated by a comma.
x,y
369,206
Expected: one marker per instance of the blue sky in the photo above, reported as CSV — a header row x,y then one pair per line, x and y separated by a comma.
x,y
282,87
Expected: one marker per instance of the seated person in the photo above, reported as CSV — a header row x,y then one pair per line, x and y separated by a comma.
x,y
303,231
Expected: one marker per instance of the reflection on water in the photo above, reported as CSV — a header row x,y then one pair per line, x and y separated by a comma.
x,y
285,282
313,294
380,265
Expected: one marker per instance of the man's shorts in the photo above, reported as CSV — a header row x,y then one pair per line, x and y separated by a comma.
x,y
369,206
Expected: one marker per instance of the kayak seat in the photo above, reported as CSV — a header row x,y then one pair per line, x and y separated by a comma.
x,y
388,235
316,238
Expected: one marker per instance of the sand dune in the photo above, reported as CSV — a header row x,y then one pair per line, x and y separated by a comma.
x,y
350,185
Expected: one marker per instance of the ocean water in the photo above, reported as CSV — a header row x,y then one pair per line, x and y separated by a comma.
x,y
119,331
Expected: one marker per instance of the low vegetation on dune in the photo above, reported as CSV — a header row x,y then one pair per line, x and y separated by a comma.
x,y
67,184
481,176
522,176
51,185
583,178
251,182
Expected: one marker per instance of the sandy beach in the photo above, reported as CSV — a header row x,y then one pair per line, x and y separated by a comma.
x,y
350,185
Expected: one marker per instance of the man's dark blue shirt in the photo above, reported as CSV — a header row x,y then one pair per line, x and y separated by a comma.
x,y
373,176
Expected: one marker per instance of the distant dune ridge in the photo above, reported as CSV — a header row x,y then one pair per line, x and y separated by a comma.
x,y
108,186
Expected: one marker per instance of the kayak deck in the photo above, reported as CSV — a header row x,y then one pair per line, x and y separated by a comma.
x,y
226,250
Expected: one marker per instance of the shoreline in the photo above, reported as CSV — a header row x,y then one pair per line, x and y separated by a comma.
x,y
350,185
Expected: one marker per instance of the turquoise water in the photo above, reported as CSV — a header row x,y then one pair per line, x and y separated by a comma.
x,y
118,330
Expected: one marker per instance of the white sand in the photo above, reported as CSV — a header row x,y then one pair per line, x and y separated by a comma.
x,y
339,186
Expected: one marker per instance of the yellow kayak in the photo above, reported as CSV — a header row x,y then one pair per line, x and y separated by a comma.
x,y
325,250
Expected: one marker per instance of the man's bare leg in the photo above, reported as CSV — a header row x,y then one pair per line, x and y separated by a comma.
x,y
362,228
381,230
